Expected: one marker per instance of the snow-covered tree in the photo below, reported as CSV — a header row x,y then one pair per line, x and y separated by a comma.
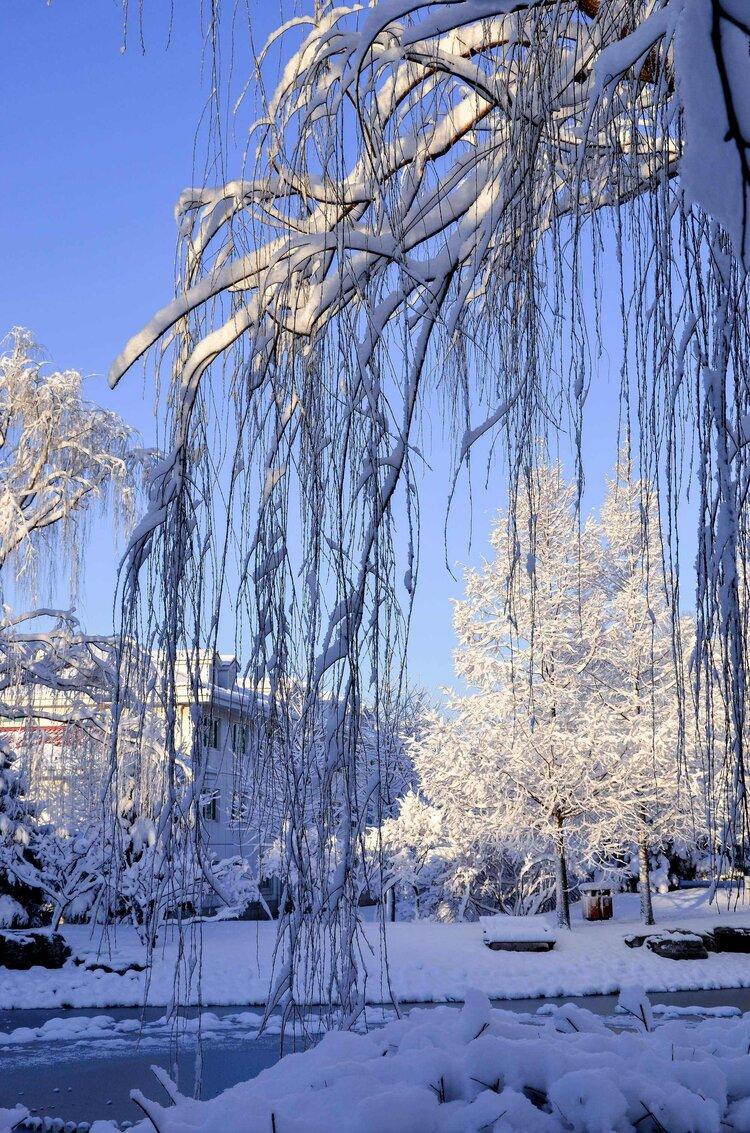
x,y
420,869
21,896
59,454
576,730
527,755
638,670
409,855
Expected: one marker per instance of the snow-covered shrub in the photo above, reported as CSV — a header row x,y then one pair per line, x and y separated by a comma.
x,y
117,869
449,1071
12,914
414,865
236,881
412,860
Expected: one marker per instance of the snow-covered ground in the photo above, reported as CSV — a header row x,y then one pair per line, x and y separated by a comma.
x,y
428,962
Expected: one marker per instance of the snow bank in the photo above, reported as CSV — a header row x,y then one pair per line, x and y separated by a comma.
x,y
448,1071
9,1118
87,1028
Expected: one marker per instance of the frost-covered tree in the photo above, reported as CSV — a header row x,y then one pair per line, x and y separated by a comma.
x,y
21,895
409,857
575,731
59,454
527,755
637,674
421,870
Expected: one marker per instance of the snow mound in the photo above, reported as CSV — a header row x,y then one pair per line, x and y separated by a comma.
x,y
449,1071
502,928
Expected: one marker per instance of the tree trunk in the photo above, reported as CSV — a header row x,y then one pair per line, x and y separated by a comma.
x,y
562,901
644,873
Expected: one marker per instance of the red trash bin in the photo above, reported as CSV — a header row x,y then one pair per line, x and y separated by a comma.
x,y
597,901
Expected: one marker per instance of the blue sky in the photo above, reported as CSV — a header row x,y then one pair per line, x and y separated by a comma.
x,y
97,145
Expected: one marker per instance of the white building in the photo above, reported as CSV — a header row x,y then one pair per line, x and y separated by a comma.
x,y
66,764
214,724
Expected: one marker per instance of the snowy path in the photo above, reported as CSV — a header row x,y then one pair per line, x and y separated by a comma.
x,y
427,963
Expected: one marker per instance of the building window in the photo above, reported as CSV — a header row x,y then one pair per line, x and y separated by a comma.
x,y
210,805
208,732
240,810
242,736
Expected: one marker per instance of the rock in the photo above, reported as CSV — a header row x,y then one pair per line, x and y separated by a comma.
x,y
678,946
732,939
634,941
23,950
637,940
114,968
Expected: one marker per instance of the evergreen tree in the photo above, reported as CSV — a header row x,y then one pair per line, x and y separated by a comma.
x,y
21,896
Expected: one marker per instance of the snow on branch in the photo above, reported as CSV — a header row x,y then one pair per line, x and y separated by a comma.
x,y
430,184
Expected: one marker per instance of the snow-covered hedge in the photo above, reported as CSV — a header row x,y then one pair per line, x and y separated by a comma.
x,y
453,1071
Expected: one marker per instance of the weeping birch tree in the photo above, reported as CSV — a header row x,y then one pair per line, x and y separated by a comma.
x,y
430,193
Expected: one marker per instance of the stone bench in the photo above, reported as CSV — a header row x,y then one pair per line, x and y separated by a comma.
x,y
678,946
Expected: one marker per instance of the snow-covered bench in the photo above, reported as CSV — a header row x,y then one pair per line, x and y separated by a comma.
x,y
504,933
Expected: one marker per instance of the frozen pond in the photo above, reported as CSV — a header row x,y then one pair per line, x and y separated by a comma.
x,y
87,1082
85,1077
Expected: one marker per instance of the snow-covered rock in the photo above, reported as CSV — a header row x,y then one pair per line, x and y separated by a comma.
x,y
24,950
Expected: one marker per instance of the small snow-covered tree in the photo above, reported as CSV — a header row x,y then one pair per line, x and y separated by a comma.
x,y
423,870
409,856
